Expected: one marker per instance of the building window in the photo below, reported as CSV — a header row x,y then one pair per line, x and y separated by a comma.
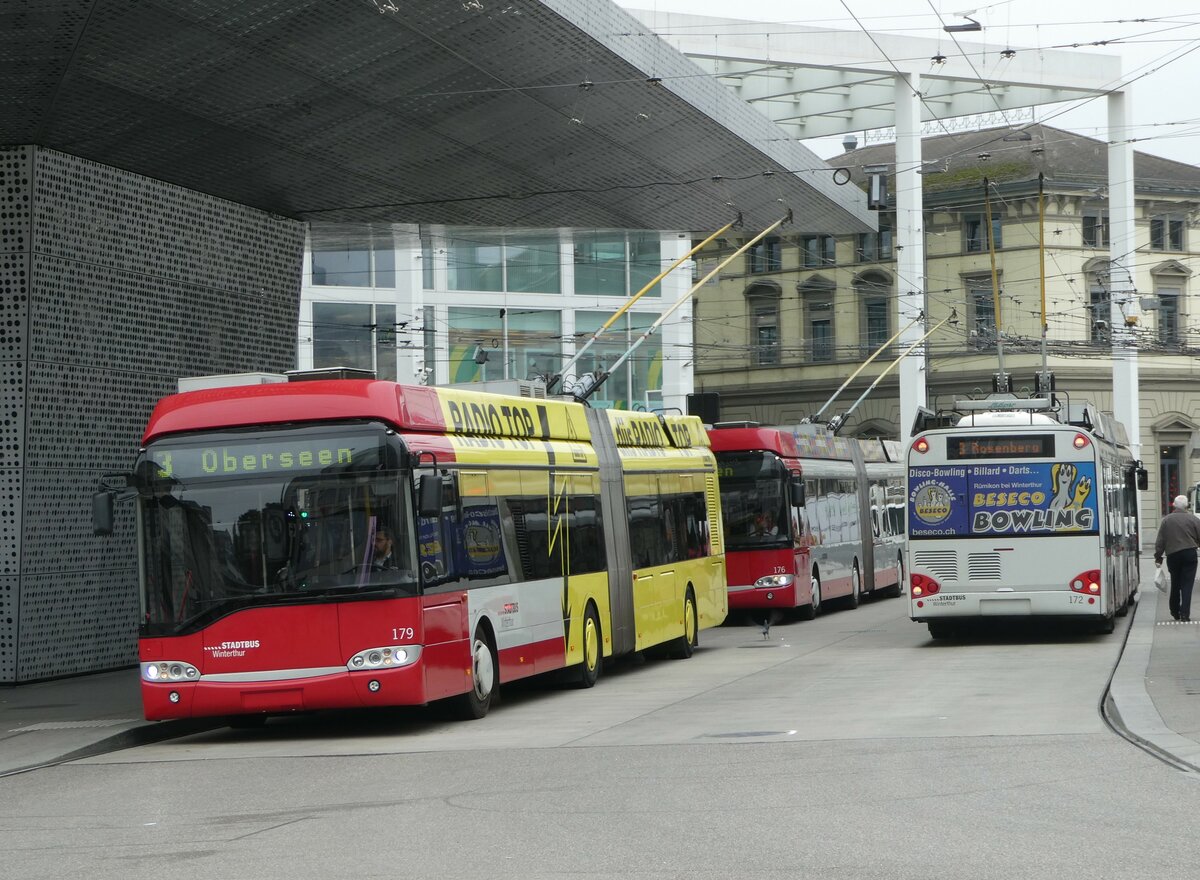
x,y
1168,315
1099,314
975,233
482,260
981,311
353,257
766,335
818,250
875,247
1095,229
609,263
532,264
818,295
359,335
1166,234
766,256
874,294
762,303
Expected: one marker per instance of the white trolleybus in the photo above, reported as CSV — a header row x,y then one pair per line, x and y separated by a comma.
x,y
1015,511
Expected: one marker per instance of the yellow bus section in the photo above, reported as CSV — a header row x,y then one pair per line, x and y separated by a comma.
x,y
478,413
536,432
535,453
671,458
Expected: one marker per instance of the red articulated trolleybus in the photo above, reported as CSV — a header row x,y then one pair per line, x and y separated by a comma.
x,y
355,543
809,517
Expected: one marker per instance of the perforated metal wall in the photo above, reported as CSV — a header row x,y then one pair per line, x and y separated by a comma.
x,y
113,286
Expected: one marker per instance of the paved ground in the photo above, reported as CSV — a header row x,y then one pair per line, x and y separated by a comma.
x,y
1154,701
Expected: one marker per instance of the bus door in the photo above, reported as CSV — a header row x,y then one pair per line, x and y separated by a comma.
x,y
800,528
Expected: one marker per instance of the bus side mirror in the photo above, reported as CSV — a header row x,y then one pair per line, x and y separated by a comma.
x,y
1143,479
429,496
102,513
796,492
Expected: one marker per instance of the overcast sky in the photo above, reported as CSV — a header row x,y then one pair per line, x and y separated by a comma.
x,y
1158,42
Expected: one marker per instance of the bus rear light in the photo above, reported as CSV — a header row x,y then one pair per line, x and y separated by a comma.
x,y
1081,441
923,586
921,445
1086,582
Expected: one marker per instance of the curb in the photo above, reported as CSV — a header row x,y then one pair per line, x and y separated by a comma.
x,y
1126,706
141,735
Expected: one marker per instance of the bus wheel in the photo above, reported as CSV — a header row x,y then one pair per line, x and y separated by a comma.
x,y
475,703
1106,625
593,650
896,590
813,608
681,648
855,587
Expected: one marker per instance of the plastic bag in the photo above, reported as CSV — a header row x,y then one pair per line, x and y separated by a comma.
x,y
1162,580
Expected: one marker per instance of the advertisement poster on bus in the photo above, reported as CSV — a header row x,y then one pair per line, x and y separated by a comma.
x,y
977,500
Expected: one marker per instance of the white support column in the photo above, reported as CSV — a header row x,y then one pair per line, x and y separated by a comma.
x,y
1126,309
910,246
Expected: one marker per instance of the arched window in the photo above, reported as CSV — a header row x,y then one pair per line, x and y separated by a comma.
x,y
873,290
818,293
762,302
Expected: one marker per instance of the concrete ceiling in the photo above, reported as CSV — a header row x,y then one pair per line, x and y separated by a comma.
x,y
480,112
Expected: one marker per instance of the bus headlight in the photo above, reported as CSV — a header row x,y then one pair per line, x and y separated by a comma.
x,y
390,657
169,670
775,580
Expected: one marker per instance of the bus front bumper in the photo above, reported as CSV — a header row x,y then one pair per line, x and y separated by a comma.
x,y
336,690
750,596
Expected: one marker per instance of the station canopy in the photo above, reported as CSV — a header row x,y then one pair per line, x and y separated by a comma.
x,y
815,82
464,112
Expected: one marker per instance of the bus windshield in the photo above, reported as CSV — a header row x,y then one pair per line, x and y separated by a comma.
x,y
231,520
753,500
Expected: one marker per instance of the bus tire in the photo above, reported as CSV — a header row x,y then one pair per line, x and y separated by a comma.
x,y
1106,624
896,590
593,649
682,647
855,597
813,608
485,680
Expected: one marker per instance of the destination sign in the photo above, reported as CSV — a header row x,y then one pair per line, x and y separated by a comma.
x,y
231,457
1001,446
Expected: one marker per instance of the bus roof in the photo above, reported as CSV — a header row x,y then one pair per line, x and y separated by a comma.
x,y
412,408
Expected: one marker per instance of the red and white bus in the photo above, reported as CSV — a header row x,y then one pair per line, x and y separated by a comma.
x,y
355,543
809,517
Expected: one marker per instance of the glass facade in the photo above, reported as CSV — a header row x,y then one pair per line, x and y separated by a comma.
x,y
364,257
359,335
642,372
480,311
479,345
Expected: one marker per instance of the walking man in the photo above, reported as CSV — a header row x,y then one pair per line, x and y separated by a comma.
x,y
1178,538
